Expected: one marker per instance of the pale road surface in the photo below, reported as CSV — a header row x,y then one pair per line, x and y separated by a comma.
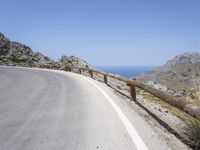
x,y
49,110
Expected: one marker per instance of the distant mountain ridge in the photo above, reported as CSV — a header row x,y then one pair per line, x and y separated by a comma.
x,y
179,74
14,53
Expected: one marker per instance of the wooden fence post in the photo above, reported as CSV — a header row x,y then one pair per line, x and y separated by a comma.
x,y
132,92
91,74
105,79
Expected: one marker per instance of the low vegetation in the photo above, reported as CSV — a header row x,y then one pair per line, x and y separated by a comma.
x,y
16,60
192,131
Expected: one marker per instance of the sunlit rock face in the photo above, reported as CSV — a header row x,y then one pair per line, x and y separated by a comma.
x,y
19,54
14,53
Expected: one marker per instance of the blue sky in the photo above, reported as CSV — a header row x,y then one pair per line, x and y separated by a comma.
x,y
105,32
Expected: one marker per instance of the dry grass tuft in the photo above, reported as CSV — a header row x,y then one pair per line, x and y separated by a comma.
x,y
192,131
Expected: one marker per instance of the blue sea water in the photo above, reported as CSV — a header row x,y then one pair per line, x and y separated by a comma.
x,y
125,71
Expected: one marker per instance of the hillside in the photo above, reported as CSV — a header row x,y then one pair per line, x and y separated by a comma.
x,y
14,53
180,74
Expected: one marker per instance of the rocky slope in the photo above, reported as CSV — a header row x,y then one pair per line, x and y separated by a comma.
x,y
73,61
179,74
14,53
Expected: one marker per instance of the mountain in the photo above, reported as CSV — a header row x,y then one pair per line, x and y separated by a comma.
x,y
14,53
181,74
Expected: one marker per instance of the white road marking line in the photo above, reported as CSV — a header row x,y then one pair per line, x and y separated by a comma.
x,y
131,130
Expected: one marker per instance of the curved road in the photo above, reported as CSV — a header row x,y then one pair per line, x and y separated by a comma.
x,y
41,110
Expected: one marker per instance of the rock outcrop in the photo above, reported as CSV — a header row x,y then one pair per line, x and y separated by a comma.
x,y
14,53
73,61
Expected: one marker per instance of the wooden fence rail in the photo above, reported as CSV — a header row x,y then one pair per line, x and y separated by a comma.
x,y
184,105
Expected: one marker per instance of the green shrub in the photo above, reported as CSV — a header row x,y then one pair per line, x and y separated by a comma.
x,y
15,60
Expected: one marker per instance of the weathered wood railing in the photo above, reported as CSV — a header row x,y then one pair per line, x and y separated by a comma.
x,y
184,105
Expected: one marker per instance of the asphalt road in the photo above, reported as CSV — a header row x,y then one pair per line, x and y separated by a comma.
x,y
44,111
41,110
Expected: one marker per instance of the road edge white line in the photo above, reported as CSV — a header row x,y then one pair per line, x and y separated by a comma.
x,y
139,143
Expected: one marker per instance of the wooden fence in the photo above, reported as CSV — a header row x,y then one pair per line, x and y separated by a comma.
x,y
184,105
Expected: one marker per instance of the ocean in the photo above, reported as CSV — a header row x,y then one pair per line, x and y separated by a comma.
x,y
125,71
